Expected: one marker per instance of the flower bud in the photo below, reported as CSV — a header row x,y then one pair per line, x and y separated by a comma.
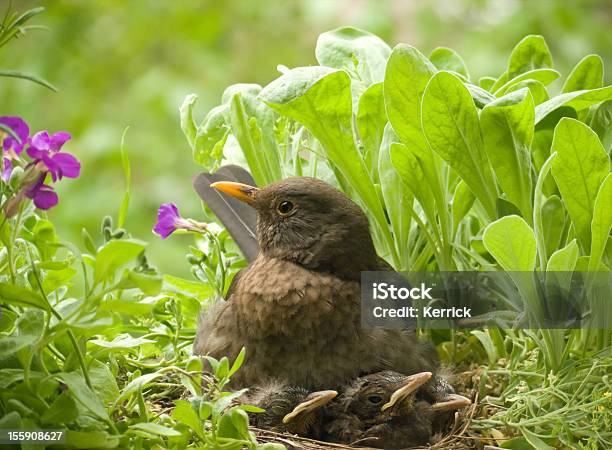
x,y
107,224
16,177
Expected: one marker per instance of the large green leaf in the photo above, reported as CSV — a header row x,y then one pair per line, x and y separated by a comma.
x,y
450,123
448,59
83,394
588,74
320,99
529,54
21,296
398,201
507,128
115,254
577,100
601,223
407,75
406,78
355,50
544,76
578,170
370,122
512,243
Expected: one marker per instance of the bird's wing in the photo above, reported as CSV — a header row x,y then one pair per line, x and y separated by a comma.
x,y
239,218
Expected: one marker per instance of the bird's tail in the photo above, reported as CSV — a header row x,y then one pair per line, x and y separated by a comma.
x,y
239,218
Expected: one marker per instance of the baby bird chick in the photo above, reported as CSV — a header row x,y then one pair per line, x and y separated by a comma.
x,y
385,410
289,409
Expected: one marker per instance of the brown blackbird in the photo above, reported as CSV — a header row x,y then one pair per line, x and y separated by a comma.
x,y
296,307
385,410
288,408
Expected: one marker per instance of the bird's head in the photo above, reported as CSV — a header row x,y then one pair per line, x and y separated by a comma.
x,y
309,222
381,396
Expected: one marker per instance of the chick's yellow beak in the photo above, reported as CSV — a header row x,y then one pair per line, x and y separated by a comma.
x,y
242,192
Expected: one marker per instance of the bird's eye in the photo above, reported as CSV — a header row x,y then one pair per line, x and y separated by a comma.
x,y
285,207
375,399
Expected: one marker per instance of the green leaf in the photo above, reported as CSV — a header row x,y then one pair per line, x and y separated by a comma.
x,y
564,259
62,410
83,394
184,413
577,100
148,283
155,428
450,123
90,439
370,123
530,53
211,137
355,50
463,199
537,89
103,381
121,341
28,330
553,223
237,362
544,76
320,99
507,128
127,174
512,243
578,170
588,74
115,254
448,59
535,441
601,223
398,201
187,287
406,77
27,76
187,122
488,345
21,296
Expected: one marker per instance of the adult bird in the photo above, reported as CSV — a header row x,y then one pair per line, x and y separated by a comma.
x,y
296,307
289,409
387,410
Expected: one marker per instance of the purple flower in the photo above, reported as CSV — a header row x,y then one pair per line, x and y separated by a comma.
x,y
169,220
21,130
44,196
47,148
7,168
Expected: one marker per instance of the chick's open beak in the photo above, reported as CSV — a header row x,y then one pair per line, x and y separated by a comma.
x,y
314,401
412,384
452,402
242,192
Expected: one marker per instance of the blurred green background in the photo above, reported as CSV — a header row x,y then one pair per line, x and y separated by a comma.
x,y
120,64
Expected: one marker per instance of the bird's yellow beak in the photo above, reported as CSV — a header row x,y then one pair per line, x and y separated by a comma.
x,y
315,400
452,402
242,192
412,384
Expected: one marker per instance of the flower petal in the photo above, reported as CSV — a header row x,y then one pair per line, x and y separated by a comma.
x,y
45,198
20,128
35,153
58,140
66,165
167,215
7,168
41,141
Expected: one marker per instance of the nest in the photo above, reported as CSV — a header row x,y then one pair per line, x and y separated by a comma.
x,y
459,437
